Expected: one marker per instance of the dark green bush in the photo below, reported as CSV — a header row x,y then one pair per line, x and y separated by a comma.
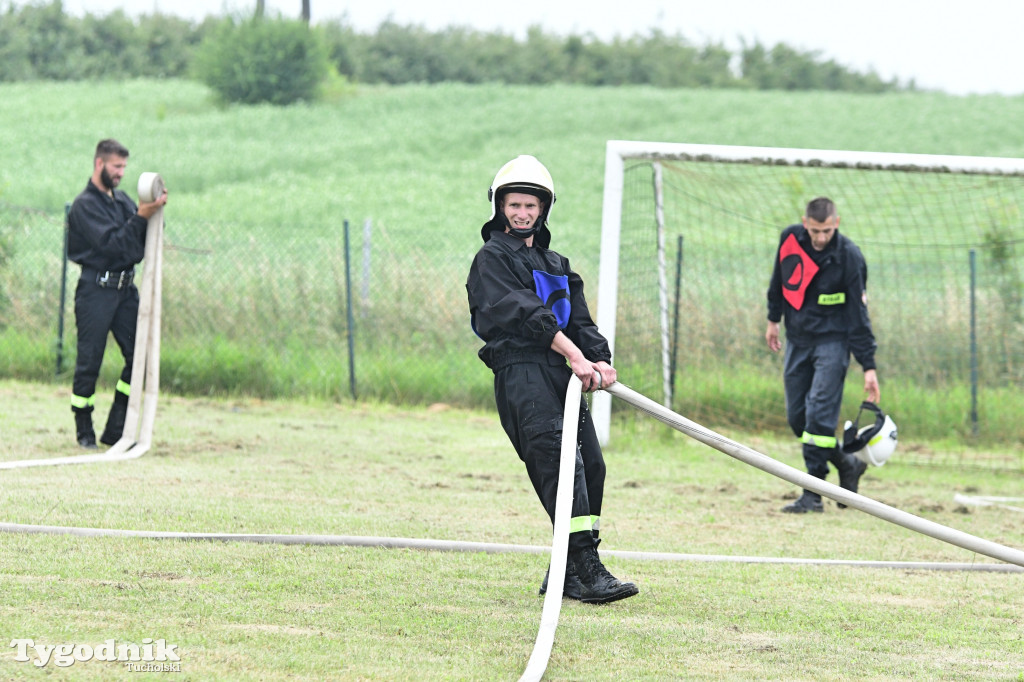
x,y
38,42
277,61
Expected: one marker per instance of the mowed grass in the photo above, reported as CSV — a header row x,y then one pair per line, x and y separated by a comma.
x,y
245,611
417,161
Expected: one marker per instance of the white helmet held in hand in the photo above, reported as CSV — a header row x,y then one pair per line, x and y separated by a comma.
x,y
875,443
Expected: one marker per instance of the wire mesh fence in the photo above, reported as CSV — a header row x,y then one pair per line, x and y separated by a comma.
x,y
345,312
945,256
336,313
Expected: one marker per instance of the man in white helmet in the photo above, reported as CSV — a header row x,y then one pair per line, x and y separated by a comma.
x,y
527,304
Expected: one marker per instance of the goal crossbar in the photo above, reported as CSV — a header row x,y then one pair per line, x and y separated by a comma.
x,y
619,152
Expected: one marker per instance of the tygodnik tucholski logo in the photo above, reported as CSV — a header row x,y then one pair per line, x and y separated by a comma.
x,y
150,656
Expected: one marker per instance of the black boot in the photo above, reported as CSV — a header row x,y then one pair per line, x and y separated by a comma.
x,y
115,420
808,502
83,429
850,470
598,586
572,588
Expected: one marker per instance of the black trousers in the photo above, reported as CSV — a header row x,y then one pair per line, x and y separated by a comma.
x,y
99,311
531,401
814,379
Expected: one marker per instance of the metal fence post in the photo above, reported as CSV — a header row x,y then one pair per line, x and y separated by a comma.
x,y
974,347
63,293
350,317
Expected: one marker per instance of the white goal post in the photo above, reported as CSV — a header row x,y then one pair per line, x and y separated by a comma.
x,y
800,175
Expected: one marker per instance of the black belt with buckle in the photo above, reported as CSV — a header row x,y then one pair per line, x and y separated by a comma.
x,y
110,279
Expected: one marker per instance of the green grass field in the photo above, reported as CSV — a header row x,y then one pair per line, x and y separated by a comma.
x,y
255,289
266,190
254,273
419,159
242,611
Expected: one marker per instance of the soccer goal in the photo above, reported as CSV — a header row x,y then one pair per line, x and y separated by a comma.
x,y
689,234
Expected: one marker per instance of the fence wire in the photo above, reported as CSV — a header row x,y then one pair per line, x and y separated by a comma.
x,y
275,313
945,256
260,314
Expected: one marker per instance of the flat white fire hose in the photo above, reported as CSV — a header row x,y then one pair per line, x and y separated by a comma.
x,y
989,501
429,545
146,360
137,438
552,602
560,539
805,480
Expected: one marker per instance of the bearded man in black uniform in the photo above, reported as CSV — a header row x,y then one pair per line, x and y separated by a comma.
x,y
107,237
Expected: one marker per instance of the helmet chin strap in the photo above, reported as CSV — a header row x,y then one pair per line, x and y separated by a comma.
x,y
518,232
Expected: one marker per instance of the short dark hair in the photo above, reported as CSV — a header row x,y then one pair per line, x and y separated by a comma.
x,y
110,147
821,209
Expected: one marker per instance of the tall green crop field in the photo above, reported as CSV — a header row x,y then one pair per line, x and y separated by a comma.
x,y
257,286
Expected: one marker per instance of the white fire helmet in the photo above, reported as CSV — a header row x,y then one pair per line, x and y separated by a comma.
x,y
524,173
875,443
527,175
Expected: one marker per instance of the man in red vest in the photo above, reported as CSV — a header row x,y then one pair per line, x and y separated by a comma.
x,y
819,286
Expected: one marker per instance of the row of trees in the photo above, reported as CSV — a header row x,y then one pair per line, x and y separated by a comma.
x,y
41,41
397,53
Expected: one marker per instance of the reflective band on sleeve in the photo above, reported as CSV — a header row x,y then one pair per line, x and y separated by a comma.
x,y
122,387
80,402
832,299
820,441
578,523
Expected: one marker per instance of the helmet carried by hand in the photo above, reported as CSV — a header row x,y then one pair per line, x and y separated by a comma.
x,y
874,443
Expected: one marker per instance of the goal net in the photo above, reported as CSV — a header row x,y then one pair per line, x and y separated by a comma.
x,y
688,240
